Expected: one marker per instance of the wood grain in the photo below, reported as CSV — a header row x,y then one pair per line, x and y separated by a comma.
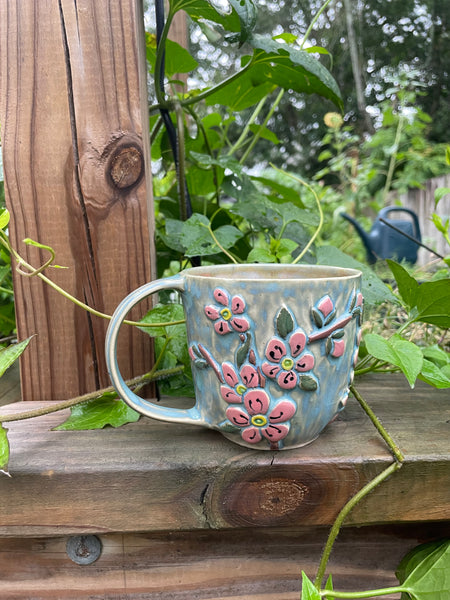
x,y
251,564
74,142
154,476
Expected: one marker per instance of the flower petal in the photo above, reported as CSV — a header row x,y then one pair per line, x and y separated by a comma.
x,y
249,376
222,327
229,374
325,305
338,348
256,402
305,363
283,411
275,350
237,305
221,296
240,324
297,342
275,433
237,416
251,435
229,395
270,370
287,380
212,313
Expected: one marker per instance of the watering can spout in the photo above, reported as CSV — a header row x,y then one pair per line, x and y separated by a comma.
x,y
371,256
390,238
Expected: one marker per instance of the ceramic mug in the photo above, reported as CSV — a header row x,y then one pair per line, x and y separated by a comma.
x,y
272,349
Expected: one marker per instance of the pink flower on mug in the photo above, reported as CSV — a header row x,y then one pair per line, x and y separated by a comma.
x,y
286,360
257,421
226,317
237,384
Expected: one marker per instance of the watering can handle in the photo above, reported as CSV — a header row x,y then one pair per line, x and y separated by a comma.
x,y
383,214
145,407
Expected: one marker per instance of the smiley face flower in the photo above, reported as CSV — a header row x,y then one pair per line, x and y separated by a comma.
x,y
237,384
257,421
287,359
226,316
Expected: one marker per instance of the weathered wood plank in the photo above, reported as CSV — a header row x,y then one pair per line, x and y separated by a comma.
x,y
153,476
253,564
74,143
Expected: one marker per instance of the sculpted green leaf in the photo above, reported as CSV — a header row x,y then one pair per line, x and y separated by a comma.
x,y
399,352
284,322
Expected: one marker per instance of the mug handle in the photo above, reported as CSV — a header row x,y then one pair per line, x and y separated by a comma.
x,y
145,407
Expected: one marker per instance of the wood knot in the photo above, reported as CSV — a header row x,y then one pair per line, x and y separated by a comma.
x,y
126,166
267,502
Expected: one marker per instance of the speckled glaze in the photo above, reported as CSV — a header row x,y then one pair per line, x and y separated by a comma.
x,y
273,349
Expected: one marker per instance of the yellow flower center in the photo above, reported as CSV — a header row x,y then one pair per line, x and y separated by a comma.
x,y
225,313
287,364
241,389
259,420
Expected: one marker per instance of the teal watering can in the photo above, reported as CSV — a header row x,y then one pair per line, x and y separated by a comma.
x,y
398,239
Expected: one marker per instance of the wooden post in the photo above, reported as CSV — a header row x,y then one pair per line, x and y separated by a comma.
x,y
73,112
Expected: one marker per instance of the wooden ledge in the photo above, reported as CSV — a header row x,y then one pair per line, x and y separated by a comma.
x,y
154,476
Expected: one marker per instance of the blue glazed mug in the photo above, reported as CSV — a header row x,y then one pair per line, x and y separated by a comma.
x,y
272,348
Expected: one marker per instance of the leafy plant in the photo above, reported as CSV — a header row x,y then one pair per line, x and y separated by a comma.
x,y
211,208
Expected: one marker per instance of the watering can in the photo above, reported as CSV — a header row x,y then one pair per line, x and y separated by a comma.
x,y
390,238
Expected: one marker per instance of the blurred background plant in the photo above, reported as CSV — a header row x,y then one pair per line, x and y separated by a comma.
x,y
7,317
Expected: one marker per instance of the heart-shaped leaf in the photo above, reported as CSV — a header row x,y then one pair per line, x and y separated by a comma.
x,y
427,571
373,288
99,413
407,285
433,301
399,352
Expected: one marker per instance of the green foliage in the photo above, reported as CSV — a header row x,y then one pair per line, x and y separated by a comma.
x,y
397,351
309,591
171,347
425,572
7,316
11,353
101,412
4,450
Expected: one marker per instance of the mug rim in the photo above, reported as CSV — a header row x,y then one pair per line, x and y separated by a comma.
x,y
261,272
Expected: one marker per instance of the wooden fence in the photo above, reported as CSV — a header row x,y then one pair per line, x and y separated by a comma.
x,y
422,202
74,117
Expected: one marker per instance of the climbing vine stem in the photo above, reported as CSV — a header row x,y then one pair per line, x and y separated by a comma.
x,y
363,492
